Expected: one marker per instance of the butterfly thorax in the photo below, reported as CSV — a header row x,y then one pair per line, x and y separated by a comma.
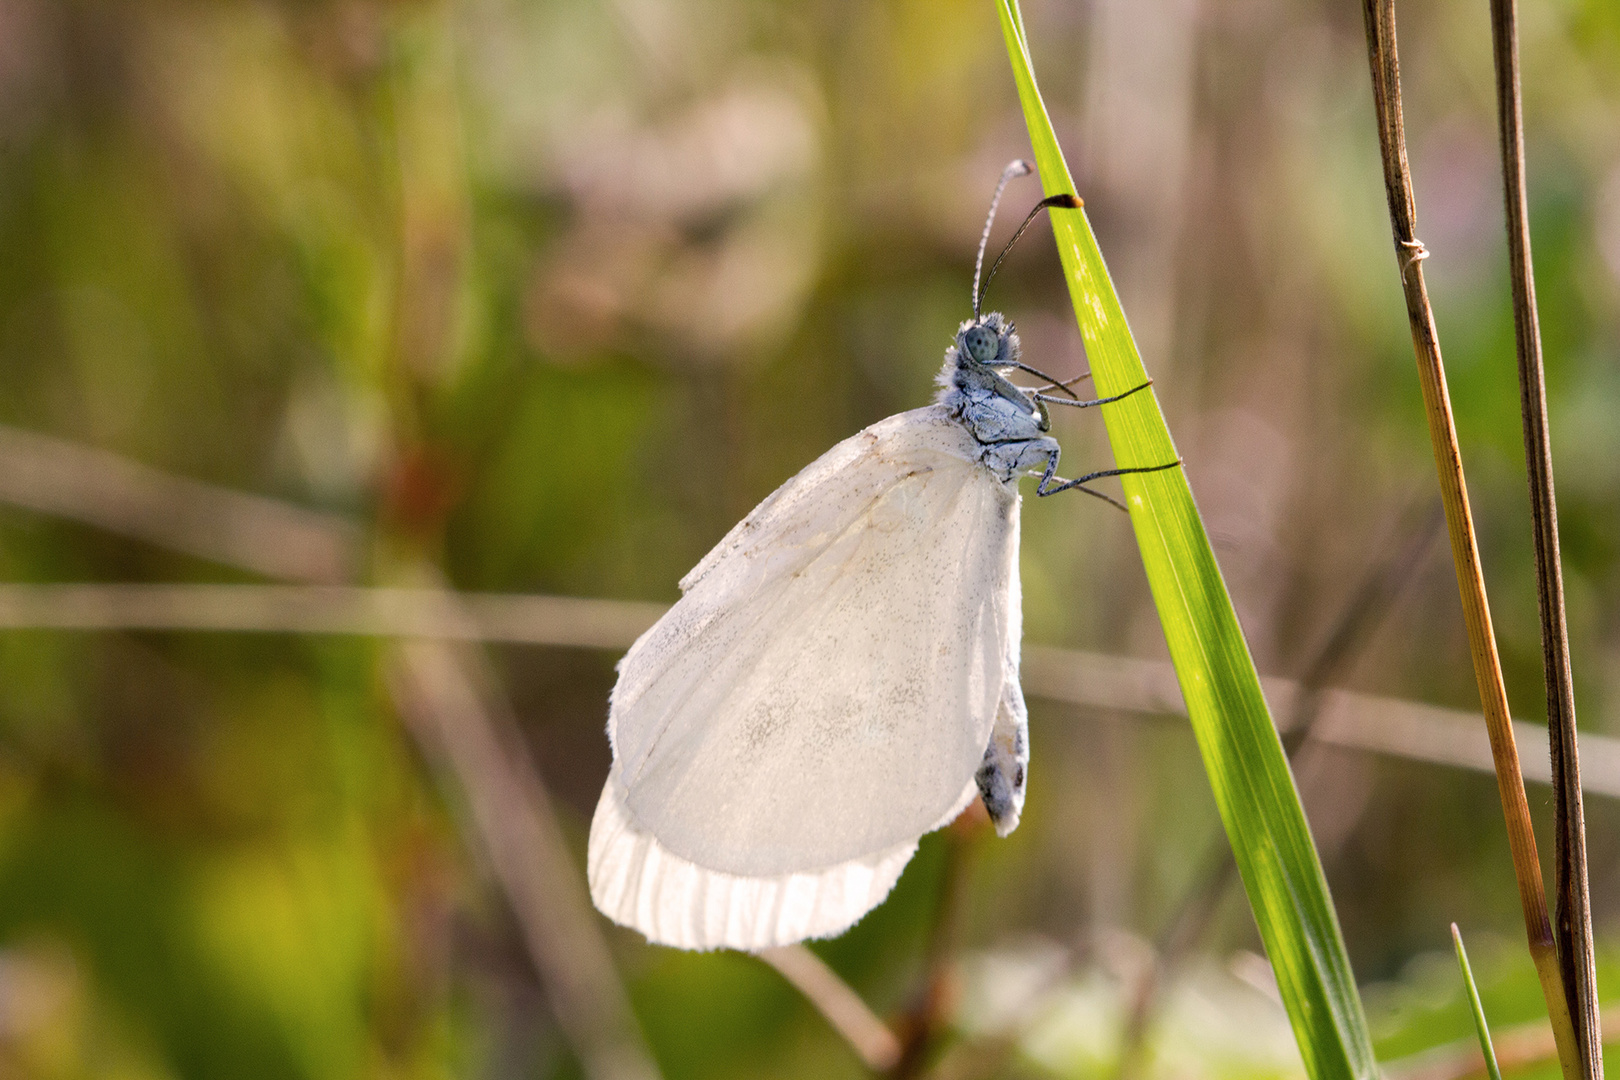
x,y
999,415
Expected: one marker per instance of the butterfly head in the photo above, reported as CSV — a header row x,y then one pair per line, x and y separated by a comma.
x,y
989,341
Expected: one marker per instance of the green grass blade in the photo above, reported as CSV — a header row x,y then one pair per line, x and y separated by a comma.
x,y
1480,1026
1242,754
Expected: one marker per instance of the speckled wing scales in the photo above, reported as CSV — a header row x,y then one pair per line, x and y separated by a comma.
x,y
821,696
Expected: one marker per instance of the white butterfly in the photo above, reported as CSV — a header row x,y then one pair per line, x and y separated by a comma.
x,y
840,675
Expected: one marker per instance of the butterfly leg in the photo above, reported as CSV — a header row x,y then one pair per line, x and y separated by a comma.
x,y
1055,384
1005,766
1051,484
1065,385
1094,401
1045,421
1043,487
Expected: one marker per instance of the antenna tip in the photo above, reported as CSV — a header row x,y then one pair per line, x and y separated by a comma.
x,y
1067,202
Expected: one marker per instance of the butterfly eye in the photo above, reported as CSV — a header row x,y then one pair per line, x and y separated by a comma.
x,y
981,343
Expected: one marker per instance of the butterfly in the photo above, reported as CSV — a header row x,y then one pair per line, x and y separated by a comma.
x,y
840,675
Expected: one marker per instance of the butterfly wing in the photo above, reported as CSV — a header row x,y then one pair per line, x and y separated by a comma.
x,y
826,688
637,882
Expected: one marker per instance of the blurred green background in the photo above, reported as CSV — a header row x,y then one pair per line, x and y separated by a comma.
x,y
543,295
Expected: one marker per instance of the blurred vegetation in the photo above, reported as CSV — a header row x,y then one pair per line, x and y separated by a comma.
x,y
552,292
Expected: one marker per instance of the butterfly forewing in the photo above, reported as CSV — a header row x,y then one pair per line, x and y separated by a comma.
x,y
826,688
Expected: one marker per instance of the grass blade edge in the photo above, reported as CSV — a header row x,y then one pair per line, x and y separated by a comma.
x,y
1242,753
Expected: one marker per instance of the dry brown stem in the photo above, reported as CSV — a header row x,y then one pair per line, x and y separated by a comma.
x,y
1573,910
1410,253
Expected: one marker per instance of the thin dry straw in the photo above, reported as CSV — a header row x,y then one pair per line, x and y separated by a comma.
x,y
840,1006
447,696
267,536
1572,923
1410,252
1364,722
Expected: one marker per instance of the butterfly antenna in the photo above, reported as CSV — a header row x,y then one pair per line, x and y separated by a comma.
x,y
1064,201
1013,170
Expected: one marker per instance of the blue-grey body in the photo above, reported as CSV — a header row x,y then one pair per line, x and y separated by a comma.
x,y
1010,426
1007,420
